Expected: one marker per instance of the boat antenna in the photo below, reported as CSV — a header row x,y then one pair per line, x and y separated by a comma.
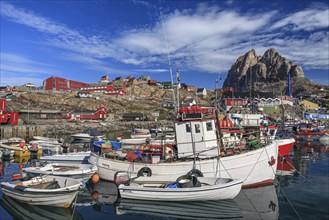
x,y
169,61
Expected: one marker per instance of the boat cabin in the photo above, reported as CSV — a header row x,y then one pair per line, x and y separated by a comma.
x,y
196,135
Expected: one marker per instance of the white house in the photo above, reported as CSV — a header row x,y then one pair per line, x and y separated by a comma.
x,y
202,92
84,95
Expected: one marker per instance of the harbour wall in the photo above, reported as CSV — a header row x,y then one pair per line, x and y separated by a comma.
x,y
65,129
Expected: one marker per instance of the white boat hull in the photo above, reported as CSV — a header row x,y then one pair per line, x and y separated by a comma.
x,y
62,197
80,157
82,172
225,190
252,167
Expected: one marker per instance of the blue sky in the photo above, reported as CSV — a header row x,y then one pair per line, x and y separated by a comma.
x,y
84,40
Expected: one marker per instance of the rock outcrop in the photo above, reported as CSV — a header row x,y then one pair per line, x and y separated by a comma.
x,y
252,69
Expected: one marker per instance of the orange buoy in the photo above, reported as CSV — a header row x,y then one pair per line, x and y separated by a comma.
x,y
308,136
95,178
21,166
21,144
94,195
308,143
297,136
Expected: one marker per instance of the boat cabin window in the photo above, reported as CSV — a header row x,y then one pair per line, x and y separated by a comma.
x,y
188,128
197,128
209,126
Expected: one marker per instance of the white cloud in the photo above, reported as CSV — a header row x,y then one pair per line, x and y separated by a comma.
x,y
307,20
204,39
21,80
17,67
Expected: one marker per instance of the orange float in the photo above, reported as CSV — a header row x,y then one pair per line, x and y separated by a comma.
x,y
95,178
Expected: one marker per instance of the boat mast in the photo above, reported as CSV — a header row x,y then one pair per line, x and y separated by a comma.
x,y
169,61
177,87
219,134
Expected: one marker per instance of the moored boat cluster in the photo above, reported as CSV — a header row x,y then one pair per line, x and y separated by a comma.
x,y
200,158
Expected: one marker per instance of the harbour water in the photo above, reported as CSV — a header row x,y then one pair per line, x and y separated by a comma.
x,y
300,194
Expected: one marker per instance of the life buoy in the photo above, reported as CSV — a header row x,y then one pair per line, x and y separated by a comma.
x,y
194,172
143,171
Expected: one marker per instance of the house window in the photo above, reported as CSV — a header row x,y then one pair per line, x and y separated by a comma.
x,y
209,126
188,128
197,128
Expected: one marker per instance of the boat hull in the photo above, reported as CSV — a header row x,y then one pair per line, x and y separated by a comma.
x,y
214,192
285,146
62,197
252,167
80,157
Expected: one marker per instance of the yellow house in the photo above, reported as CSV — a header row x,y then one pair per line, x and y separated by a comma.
x,y
132,81
309,105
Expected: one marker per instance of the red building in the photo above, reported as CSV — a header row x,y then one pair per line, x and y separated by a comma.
x,y
7,117
108,90
60,84
100,114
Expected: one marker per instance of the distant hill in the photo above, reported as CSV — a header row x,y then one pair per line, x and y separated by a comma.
x,y
267,76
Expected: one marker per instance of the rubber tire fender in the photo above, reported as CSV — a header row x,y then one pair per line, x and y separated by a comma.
x,y
144,170
194,172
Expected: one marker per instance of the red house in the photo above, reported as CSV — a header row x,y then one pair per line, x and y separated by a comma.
x,y
7,117
60,84
100,114
152,82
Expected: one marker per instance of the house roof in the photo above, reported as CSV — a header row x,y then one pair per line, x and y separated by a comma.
x,y
132,114
200,89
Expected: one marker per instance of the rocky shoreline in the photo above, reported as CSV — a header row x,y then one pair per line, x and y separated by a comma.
x,y
66,129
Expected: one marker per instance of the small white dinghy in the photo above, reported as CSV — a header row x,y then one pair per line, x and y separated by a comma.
x,y
193,189
44,190
82,172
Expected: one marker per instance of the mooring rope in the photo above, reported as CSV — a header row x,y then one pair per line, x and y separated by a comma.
x,y
281,188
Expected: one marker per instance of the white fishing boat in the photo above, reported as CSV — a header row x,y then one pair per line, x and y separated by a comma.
x,y
77,157
196,137
46,139
81,136
53,144
141,130
44,190
82,172
141,135
198,189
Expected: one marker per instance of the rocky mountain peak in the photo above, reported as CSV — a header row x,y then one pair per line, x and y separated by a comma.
x,y
269,68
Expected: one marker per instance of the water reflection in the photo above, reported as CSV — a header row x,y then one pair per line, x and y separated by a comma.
x,y
223,209
24,211
258,203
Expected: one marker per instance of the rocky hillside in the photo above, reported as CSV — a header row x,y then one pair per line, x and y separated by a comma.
x,y
267,74
143,98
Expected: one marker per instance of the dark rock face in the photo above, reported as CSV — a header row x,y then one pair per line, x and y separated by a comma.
x,y
252,69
